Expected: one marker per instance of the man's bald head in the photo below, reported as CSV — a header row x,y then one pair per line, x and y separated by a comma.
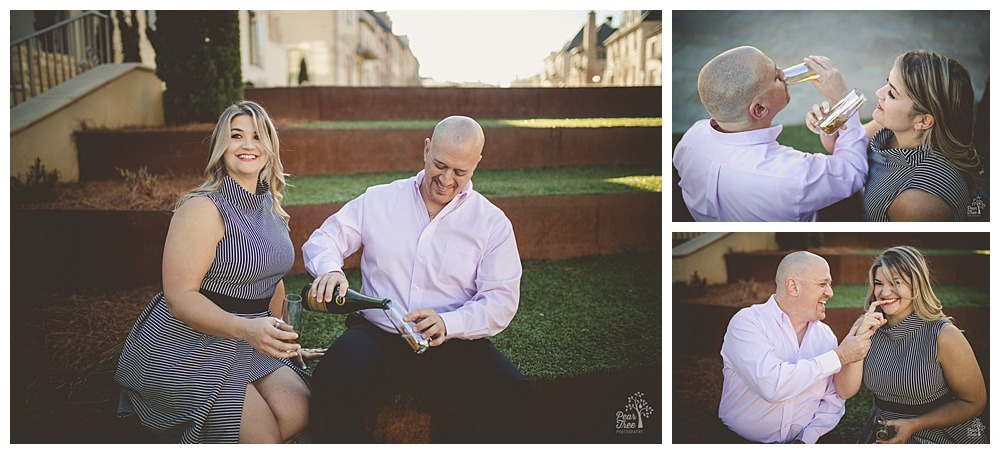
x,y
458,131
728,83
796,265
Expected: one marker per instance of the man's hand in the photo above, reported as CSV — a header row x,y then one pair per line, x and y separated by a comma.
x,y
323,285
855,347
430,324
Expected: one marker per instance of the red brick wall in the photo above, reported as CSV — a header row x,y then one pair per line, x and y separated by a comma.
x,y
123,249
384,103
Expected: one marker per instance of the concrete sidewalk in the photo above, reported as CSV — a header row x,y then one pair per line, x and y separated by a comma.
x,y
862,44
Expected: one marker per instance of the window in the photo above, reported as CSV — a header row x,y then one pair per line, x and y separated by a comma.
x,y
256,30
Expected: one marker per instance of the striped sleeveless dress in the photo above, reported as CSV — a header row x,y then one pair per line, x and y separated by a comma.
x,y
902,372
187,386
894,170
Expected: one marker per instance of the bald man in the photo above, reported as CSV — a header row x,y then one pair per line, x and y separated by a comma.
x,y
779,358
731,166
448,257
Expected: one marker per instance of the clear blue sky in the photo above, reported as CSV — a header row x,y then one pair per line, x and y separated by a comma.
x,y
493,47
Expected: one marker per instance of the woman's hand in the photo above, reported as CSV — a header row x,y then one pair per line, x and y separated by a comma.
x,y
308,354
871,320
904,430
830,83
268,335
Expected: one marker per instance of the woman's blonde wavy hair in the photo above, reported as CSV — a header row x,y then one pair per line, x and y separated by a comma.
x,y
273,171
907,264
941,86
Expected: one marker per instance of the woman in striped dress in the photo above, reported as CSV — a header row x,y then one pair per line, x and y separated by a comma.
x,y
923,164
207,361
924,376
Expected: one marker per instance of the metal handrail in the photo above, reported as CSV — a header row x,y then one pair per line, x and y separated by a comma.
x,y
57,53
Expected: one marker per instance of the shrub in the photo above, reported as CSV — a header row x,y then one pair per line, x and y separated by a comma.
x,y
798,240
198,58
130,35
39,185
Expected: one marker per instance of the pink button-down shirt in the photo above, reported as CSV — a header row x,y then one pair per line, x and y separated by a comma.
x,y
773,388
748,176
463,264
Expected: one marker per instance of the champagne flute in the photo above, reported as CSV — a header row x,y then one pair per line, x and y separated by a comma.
x,y
293,315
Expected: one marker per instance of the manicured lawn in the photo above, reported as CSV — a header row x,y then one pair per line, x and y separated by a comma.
x,y
318,189
547,123
576,316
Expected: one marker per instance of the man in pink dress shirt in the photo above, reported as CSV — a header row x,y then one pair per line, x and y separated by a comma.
x,y
448,256
778,359
732,168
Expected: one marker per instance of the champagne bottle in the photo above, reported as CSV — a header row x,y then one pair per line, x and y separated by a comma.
x,y
354,301
351,302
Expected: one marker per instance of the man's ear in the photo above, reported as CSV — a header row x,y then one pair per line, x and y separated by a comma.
x,y
791,287
757,110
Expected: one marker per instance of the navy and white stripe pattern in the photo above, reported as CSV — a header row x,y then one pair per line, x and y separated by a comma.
x,y
187,386
902,368
894,170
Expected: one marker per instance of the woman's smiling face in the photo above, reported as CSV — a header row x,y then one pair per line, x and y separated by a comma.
x,y
896,292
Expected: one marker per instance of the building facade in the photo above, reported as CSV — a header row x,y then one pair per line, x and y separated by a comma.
x,y
580,63
635,50
344,48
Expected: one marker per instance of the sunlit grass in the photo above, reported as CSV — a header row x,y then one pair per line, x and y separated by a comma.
x,y
578,123
651,183
321,189
543,123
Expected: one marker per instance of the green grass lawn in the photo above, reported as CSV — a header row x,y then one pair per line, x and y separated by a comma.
x,y
576,316
318,189
545,123
951,295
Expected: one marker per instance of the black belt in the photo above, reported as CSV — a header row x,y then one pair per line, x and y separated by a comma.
x,y
237,305
914,409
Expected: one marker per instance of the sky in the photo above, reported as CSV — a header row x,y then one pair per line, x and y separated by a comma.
x,y
493,47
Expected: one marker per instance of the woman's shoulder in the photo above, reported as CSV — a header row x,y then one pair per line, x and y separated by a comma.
x,y
199,207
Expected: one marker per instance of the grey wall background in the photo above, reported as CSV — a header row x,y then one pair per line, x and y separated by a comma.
x,y
862,44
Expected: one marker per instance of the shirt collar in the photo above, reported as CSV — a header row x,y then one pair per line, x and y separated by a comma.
x,y
460,197
780,316
744,138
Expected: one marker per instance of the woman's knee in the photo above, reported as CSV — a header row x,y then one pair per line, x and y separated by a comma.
x,y
287,397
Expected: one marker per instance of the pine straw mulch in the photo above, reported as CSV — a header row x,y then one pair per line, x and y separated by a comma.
x,y
159,192
63,355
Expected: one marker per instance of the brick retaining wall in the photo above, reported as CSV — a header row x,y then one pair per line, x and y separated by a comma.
x,y
316,151
124,249
392,103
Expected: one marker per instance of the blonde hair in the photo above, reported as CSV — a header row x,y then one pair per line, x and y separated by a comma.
x,y
907,263
941,87
273,171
